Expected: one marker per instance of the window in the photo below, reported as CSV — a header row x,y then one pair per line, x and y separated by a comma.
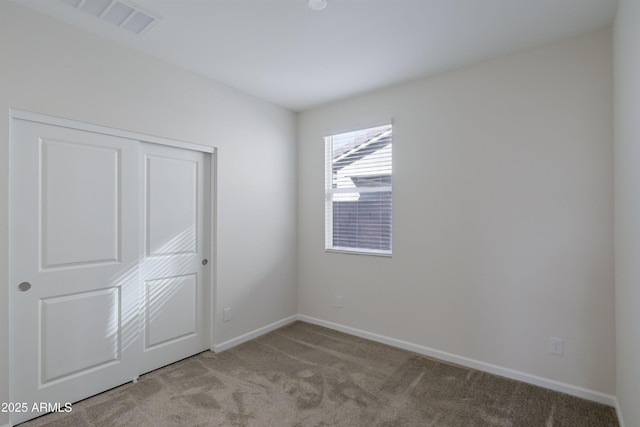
x,y
358,191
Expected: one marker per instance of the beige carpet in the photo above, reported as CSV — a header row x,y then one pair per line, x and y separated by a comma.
x,y
305,375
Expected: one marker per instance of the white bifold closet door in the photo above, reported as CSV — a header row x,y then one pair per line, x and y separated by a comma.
x,y
108,241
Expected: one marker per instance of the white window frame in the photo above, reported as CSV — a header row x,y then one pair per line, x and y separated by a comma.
x,y
329,199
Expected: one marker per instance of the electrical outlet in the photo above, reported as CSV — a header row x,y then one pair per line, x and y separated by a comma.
x,y
226,314
339,301
556,346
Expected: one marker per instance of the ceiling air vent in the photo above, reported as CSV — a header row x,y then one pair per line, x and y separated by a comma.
x,y
122,14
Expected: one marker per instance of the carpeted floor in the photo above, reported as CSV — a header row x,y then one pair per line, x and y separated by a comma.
x,y
306,375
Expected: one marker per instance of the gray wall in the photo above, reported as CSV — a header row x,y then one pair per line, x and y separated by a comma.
x,y
502,215
627,207
51,68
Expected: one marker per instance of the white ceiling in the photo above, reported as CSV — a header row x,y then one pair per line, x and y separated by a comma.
x,y
282,51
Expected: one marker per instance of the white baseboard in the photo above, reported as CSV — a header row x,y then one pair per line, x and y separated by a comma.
x,y
471,363
254,334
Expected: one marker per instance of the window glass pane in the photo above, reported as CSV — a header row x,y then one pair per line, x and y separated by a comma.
x,y
361,154
359,198
362,221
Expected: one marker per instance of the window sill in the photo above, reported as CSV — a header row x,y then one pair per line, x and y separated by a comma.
x,y
352,251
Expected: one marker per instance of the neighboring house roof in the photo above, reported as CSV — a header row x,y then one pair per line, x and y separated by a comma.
x,y
361,147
